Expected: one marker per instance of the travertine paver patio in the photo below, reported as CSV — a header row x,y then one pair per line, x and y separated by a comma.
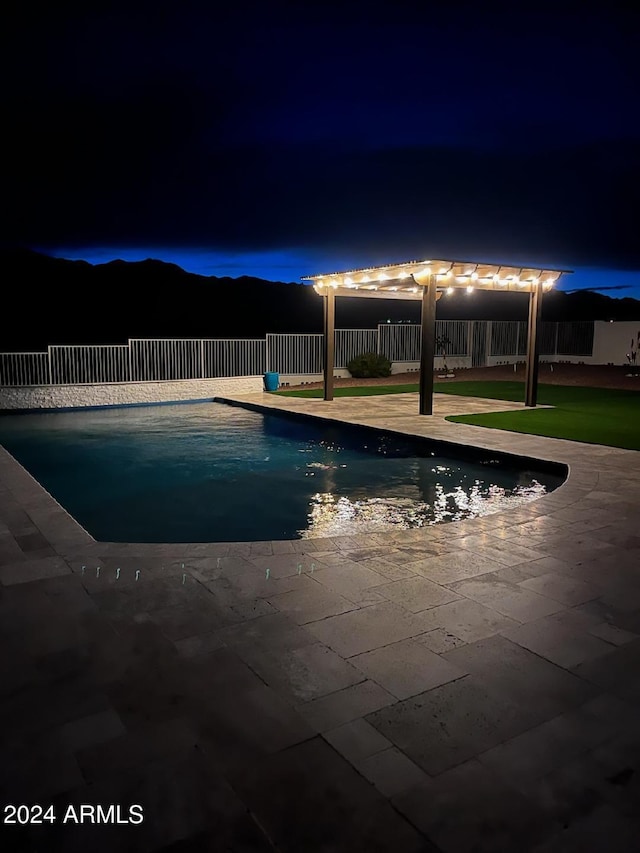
x,y
469,687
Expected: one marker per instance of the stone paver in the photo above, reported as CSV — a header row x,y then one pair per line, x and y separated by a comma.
x,y
406,668
472,686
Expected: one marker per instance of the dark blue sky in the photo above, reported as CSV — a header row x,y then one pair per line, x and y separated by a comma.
x,y
308,136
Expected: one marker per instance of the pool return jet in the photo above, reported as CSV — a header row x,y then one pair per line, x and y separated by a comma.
x,y
426,281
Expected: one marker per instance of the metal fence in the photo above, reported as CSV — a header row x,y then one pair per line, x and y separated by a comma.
x,y
353,342
82,365
294,353
509,338
158,360
24,368
399,342
247,357
574,338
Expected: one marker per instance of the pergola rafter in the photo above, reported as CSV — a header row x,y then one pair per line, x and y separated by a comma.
x,y
426,281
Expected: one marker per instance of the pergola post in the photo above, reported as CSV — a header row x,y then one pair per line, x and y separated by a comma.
x,y
533,345
329,341
427,351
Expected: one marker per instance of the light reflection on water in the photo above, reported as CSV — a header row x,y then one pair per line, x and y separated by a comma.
x,y
332,515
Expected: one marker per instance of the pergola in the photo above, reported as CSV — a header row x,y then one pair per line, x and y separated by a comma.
x,y
426,281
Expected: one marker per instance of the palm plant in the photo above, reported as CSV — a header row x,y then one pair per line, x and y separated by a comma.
x,y
442,342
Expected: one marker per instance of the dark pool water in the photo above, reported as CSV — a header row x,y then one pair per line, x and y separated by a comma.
x,y
209,472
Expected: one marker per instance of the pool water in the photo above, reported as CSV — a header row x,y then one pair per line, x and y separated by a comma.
x,y
210,472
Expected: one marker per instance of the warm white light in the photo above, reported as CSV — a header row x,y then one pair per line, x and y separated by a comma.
x,y
383,276
443,271
321,283
414,290
474,276
534,280
450,290
550,282
334,284
404,275
393,288
365,278
348,280
469,289
496,277
448,274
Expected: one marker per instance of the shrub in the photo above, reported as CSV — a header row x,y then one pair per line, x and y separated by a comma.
x,y
369,365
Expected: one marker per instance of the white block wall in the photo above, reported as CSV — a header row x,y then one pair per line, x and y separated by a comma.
x,y
611,341
122,394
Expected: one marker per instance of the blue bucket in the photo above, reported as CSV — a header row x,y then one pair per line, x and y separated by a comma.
x,y
271,381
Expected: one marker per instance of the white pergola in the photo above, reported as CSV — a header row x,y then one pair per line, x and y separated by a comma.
x,y
426,281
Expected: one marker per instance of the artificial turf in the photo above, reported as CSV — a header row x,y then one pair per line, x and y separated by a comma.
x,y
592,415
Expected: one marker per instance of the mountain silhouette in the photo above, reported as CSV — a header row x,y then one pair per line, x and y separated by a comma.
x,y
58,301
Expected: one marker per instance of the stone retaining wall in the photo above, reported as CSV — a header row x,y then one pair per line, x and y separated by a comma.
x,y
124,394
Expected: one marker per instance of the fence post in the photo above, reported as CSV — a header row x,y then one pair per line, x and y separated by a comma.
x,y
129,367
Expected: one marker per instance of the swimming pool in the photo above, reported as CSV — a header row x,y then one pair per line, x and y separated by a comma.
x,y
210,472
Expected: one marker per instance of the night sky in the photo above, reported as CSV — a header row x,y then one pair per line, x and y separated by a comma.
x,y
280,139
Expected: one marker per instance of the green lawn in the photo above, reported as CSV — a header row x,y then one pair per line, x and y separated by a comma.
x,y
592,415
